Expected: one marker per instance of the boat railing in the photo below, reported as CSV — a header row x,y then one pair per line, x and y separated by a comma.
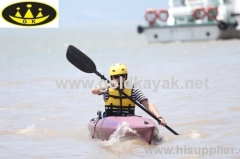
x,y
194,12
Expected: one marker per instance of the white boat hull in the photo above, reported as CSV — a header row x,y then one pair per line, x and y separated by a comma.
x,y
189,33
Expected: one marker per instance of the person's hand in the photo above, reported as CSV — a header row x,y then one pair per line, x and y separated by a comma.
x,y
162,121
103,88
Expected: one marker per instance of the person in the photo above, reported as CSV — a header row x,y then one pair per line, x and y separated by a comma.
x,y
117,104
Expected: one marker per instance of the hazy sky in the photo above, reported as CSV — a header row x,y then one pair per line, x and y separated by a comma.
x,y
83,12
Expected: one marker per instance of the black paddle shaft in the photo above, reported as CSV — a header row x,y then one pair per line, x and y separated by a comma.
x,y
85,64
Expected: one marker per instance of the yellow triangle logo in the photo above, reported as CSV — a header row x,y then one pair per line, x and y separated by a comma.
x,y
18,14
40,13
29,13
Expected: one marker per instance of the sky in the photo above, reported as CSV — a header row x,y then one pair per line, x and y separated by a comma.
x,y
83,12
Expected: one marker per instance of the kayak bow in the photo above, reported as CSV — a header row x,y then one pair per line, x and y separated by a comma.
x,y
103,128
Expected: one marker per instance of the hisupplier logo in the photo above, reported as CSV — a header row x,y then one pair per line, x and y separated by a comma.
x,y
30,14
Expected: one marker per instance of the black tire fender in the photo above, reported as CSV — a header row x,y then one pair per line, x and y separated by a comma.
x,y
222,25
140,29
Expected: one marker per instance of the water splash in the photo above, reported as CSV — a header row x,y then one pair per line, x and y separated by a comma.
x,y
122,128
195,134
29,130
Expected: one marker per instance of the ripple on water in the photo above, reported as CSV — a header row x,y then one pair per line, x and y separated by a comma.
x,y
234,108
42,133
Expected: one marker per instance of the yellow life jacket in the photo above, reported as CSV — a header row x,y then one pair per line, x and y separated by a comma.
x,y
117,101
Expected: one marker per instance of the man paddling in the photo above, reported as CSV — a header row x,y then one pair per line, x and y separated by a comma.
x,y
117,104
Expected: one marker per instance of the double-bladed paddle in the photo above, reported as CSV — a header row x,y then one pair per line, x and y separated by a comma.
x,y
85,64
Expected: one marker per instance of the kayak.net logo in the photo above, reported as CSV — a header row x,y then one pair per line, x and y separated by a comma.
x,y
29,14
150,84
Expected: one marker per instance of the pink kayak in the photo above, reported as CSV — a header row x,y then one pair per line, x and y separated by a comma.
x,y
103,128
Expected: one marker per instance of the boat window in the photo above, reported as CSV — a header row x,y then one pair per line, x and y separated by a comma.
x,y
193,3
177,3
226,1
213,2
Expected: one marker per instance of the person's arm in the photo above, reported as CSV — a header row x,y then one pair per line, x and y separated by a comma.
x,y
99,90
149,106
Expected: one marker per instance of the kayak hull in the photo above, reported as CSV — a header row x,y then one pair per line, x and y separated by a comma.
x,y
103,128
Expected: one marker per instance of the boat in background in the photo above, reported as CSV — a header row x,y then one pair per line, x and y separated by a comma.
x,y
103,128
190,20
